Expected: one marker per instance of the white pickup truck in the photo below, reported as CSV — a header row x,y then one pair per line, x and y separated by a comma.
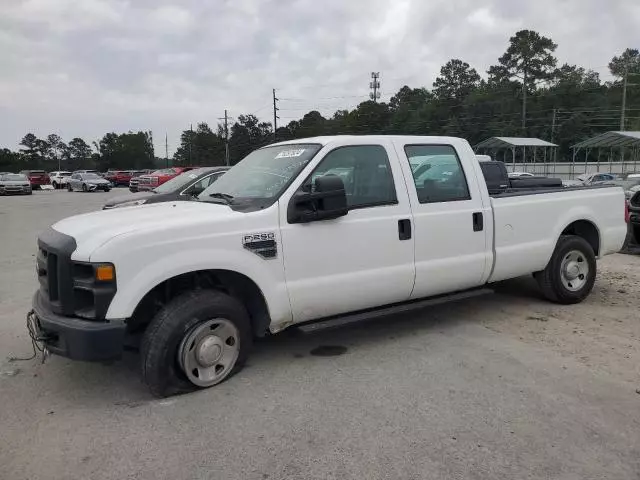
x,y
306,231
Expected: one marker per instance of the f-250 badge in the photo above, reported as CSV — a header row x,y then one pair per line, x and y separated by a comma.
x,y
262,244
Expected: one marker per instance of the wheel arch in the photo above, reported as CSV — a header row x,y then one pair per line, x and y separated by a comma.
x,y
231,282
587,230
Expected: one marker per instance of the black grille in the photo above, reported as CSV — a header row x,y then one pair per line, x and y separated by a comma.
x,y
54,265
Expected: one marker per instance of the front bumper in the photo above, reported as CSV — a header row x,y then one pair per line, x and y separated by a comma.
x,y
76,338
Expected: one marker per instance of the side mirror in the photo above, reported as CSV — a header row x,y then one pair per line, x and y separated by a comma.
x,y
328,201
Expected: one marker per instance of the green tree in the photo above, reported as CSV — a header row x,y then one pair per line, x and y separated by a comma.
x,y
30,150
456,80
56,149
629,59
247,134
201,147
529,58
131,150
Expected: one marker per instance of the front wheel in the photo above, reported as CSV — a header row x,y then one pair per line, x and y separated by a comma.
x,y
55,185
571,273
197,340
69,187
84,187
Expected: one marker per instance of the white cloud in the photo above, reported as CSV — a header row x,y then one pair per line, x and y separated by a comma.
x,y
65,15
170,19
84,67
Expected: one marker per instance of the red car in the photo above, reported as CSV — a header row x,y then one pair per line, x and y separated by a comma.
x,y
152,180
37,178
119,177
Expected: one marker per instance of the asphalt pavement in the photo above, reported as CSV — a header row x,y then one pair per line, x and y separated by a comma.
x,y
443,393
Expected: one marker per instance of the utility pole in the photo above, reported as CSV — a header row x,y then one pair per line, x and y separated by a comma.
x,y
275,115
524,103
226,138
190,142
166,149
624,97
374,85
553,128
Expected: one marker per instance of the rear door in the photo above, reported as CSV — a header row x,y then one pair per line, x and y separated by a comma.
x,y
452,217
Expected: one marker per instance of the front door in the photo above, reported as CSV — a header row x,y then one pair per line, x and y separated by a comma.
x,y
453,222
363,259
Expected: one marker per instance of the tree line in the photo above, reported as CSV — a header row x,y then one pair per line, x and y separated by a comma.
x,y
526,93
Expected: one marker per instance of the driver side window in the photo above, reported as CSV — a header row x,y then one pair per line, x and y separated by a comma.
x,y
365,173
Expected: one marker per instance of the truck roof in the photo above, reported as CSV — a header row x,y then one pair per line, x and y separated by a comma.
x,y
324,140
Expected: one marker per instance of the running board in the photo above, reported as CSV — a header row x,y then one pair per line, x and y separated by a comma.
x,y
360,316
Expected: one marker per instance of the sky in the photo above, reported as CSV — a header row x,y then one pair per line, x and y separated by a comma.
x,y
81,68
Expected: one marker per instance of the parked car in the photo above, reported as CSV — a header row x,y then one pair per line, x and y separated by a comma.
x,y
591,178
37,178
119,178
14,183
279,241
185,186
627,185
572,183
135,179
152,180
87,182
59,178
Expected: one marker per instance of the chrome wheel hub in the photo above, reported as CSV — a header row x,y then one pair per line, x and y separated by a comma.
x,y
574,270
208,352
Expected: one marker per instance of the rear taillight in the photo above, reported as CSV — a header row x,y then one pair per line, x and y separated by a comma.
x,y
626,210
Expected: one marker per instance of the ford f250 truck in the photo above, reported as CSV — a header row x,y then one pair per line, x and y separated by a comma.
x,y
314,230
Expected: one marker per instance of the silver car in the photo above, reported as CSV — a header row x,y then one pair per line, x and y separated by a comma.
x,y
14,183
87,182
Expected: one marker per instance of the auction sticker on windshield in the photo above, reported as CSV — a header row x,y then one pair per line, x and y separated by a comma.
x,y
290,153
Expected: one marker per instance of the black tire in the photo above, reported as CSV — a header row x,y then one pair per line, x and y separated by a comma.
x,y
69,187
107,190
84,187
635,237
159,350
55,185
550,279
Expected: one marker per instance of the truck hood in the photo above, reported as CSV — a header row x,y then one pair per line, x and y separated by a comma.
x,y
91,230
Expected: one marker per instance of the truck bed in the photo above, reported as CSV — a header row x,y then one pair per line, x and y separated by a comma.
x,y
528,223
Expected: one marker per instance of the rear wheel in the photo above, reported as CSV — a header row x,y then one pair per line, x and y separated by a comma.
x,y
197,340
635,238
570,274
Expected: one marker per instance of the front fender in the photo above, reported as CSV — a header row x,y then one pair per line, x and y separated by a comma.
x,y
268,275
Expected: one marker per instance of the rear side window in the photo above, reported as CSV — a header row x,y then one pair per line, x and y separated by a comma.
x,y
437,173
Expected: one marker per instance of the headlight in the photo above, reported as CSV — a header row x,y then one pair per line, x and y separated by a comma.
x,y
131,203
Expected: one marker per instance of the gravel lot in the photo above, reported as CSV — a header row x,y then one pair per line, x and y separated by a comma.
x,y
501,386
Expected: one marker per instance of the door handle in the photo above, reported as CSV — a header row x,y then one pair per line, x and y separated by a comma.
x,y
404,229
478,222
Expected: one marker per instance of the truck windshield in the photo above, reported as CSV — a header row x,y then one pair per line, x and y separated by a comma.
x,y
259,179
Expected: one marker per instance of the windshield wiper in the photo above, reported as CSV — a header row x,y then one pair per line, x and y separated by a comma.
x,y
223,196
